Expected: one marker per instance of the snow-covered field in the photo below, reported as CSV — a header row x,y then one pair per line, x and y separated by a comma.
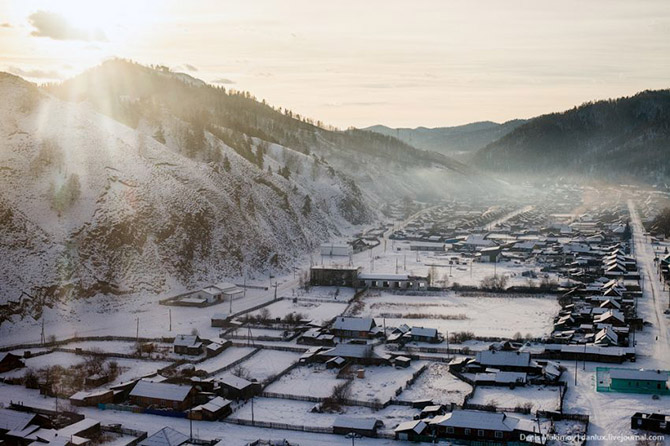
x,y
300,413
268,363
318,312
437,384
226,357
380,383
62,359
307,381
538,398
450,311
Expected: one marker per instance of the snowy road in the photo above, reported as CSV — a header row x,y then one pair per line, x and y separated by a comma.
x,y
654,301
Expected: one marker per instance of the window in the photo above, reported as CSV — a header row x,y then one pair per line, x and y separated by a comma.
x,y
468,432
498,434
450,430
480,433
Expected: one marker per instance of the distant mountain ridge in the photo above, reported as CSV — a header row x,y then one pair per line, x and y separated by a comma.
x,y
627,137
457,140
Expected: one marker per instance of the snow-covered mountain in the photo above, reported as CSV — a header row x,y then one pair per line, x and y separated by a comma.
x,y
129,179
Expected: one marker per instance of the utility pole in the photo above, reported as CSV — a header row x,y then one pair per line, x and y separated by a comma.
x,y
396,265
276,290
244,286
43,338
170,316
576,362
252,411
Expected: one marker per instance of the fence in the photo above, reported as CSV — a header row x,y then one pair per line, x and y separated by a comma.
x,y
58,343
137,409
117,429
284,426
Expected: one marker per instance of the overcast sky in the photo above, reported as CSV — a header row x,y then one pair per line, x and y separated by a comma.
x,y
358,63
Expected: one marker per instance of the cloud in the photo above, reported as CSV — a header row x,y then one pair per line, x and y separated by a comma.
x,y
190,67
223,80
55,26
6,25
35,73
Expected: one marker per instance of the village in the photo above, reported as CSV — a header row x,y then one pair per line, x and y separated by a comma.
x,y
537,322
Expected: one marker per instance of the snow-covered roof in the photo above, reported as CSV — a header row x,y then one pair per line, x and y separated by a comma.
x,y
235,382
474,419
162,391
349,351
417,426
353,324
355,423
214,405
186,340
421,331
165,437
14,420
641,375
503,358
391,277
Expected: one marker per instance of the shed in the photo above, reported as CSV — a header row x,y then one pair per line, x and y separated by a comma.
x,y
366,427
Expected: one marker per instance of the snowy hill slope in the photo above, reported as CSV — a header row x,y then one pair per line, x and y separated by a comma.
x,y
91,205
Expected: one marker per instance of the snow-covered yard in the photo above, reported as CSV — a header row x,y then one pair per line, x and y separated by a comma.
x,y
268,363
483,315
319,312
62,359
226,357
437,384
535,397
307,381
382,382
300,413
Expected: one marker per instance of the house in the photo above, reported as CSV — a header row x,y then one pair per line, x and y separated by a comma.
x,y
353,327
636,381
234,387
432,411
187,345
366,427
654,422
481,426
421,334
165,437
402,361
213,410
214,348
229,290
92,398
610,317
163,395
509,361
490,255
427,246
219,320
10,361
414,430
606,337
501,379
333,276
